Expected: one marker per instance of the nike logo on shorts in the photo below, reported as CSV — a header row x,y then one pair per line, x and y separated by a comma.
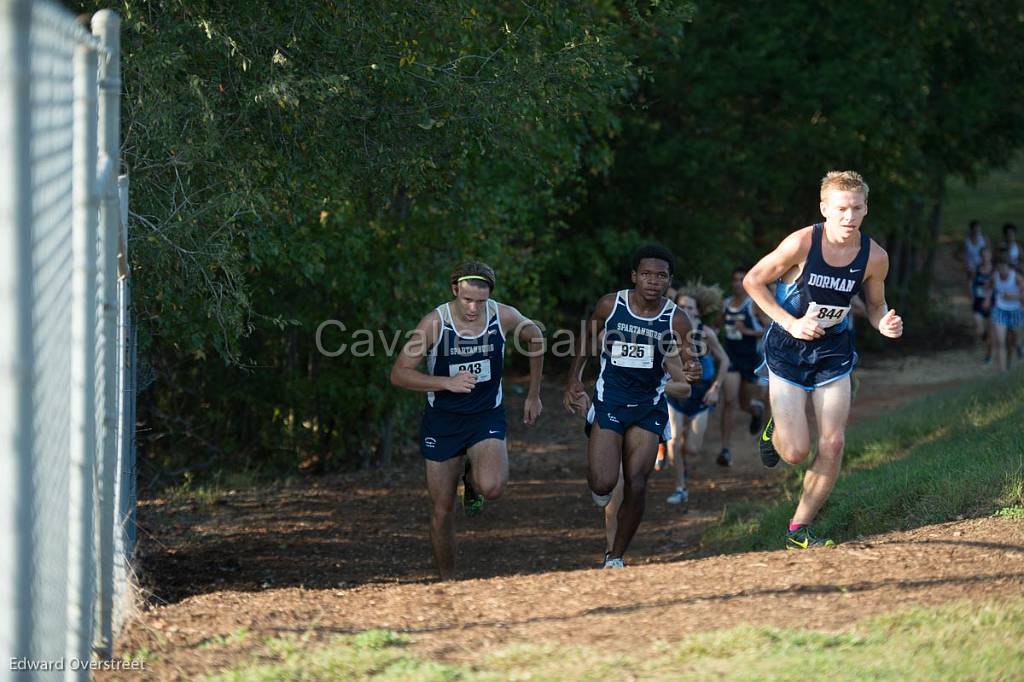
x,y
489,431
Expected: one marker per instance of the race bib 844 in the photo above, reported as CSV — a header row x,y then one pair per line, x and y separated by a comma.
x,y
827,315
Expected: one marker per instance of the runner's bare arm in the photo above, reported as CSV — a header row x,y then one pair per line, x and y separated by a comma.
x,y
574,392
742,327
886,321
857,307
678,386
1017,278
682,329
786,256
405,372
763,318
722,363
529,341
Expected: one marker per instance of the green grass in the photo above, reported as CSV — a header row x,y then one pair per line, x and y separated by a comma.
x,y
374,654
1014,512
207,490
964,640
237,637
996,199
955,453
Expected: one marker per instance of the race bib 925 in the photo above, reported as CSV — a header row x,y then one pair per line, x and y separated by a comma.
x,y
636,355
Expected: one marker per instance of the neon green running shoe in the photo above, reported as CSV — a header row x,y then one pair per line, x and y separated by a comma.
x,y
803,538
472,501
769,456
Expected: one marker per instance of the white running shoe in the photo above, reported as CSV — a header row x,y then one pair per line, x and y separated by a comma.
x,y
614,562
680,496
601,500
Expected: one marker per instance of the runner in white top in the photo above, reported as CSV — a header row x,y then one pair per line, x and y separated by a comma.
x,y
980,288
973,244
1007,316
1013,256
1011,245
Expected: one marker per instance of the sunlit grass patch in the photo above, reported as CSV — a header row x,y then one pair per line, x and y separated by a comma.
x,y
954,453
963,640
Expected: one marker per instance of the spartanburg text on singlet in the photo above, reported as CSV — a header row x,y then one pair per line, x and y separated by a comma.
x,y
633,354
482,355
824,290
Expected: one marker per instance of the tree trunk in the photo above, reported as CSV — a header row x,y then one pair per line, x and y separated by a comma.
x,y
934,229
385,447
905,259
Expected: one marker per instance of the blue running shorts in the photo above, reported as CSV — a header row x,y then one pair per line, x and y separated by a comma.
x,y
695,404
618,418
808,364
444,435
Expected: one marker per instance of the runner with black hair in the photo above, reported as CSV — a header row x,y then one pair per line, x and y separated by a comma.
x,y
643,348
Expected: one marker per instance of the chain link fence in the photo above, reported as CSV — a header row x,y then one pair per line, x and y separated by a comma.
x,y
67,346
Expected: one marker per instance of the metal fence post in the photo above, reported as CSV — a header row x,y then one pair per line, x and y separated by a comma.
x,y
60,437
82,456
16,351
125,422
127,440
106,25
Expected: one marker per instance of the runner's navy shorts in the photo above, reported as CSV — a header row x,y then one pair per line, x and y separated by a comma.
x,y
978,306
444,435
746,366
808,364
693,405
619,418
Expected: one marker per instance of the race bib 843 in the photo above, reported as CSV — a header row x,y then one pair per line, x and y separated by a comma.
x,y
481,369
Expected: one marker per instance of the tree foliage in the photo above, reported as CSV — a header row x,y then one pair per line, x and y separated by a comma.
x,y
722,153
296,162
299,162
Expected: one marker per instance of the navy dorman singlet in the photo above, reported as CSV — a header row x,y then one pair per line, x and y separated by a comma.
x,y
825,290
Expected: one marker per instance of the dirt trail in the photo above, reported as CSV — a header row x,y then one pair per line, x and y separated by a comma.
x,y
348,553
615,611
369,527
